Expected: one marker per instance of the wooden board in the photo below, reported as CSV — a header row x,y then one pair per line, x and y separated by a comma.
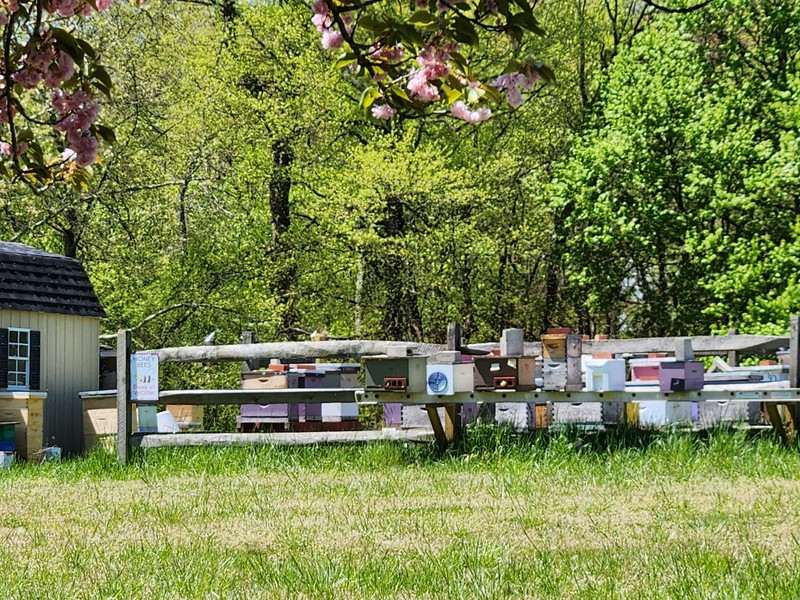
x,y
28,411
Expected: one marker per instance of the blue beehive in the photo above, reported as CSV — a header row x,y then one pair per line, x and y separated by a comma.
x,y
8,437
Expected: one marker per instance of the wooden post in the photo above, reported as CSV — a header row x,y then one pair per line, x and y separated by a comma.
x,y
123,395
574,375
454,336
733,355
451,424
683,349
438,431
794,370
248,337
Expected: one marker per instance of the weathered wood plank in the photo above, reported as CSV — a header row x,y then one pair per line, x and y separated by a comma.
x,y
265,396
286,351
702,345
158,440
123,395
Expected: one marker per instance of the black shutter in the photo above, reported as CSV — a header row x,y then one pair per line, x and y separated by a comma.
x,y
3,358
35,365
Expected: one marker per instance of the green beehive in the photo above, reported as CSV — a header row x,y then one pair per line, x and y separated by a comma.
x,y
400,374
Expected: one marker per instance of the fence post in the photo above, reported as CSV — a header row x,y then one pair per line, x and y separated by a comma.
x,y
123,395
733,355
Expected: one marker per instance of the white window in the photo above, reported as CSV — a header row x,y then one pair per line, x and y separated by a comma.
x,y
19,359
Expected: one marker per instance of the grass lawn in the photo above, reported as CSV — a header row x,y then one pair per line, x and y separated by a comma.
x,y
634,515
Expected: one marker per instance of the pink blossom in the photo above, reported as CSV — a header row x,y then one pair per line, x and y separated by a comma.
x,y
432,55
321,21
491,6
40,58
85,150
61,101
65,8
104,4
435,71
442,6
68,155
63,71
392,55
530,79
320,7
420,88
331,39
28,78
421,3
383,111
461,111
5,148
514,98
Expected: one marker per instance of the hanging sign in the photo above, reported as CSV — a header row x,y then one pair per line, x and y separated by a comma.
x,y
144,377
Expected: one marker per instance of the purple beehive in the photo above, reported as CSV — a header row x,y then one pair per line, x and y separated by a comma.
x,y
393,414
680,376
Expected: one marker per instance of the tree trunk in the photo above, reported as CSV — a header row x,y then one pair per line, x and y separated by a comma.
x,y
280,188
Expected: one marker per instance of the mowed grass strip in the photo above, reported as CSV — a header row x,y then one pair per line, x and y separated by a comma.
x,y
556,515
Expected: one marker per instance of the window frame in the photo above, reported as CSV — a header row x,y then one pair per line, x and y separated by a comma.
x,y
16,357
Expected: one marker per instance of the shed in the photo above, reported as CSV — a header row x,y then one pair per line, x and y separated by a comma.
x,y
49,336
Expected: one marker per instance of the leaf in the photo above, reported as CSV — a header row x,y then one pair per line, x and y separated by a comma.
x,y
460,61
451,94
368,96
345,59
546,73
87,49
422,17
24,135
100,74
373,25
513,66
398,91
102,87
464,32
526,20
66,42
106,133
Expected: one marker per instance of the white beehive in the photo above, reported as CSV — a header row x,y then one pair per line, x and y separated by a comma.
x,y
447,379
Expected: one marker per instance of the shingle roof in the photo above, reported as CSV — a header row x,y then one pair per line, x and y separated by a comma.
x,y
38,281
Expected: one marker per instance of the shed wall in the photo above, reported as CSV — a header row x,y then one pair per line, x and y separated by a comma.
x,y
70,364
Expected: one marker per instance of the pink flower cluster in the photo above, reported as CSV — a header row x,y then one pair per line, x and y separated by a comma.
x,y
7,7
515,84
68,8
5,148
433,60
383,111
394,54
44,62
323,21
461,111
79,112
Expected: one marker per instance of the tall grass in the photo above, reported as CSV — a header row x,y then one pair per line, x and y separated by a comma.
x,y
556,514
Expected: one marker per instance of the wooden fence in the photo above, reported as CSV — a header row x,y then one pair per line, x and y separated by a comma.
x,y
731,345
